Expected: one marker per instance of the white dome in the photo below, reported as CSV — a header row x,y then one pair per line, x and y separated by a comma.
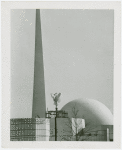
x,y
91,110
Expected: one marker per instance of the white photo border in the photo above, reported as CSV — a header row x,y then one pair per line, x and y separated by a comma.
x,y
6,6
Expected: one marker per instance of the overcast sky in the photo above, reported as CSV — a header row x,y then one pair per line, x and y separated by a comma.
x,y
78,50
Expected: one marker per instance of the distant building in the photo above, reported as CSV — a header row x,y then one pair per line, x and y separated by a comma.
x,y
43,129
98,119
30,129
93,111
99,133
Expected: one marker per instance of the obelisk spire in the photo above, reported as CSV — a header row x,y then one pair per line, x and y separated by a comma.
x,y
39,104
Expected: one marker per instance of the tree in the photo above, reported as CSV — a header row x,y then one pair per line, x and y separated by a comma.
x,y
75,129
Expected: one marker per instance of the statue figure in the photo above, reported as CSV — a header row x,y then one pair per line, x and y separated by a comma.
x,y
56,98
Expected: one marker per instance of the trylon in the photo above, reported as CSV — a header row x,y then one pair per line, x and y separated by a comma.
x,y
39,104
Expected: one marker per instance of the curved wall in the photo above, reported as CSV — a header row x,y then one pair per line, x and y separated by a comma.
x,y
93,111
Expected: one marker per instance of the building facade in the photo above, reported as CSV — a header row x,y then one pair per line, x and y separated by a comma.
x,y
30,129
43,129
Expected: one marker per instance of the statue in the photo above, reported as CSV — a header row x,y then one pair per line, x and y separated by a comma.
x,y
56,98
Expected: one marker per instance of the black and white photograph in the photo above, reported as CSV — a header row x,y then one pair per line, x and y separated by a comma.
x,y
62,64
